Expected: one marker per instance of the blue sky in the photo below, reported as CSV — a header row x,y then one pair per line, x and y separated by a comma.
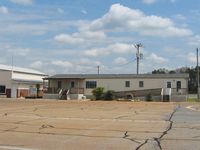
x,y
66,36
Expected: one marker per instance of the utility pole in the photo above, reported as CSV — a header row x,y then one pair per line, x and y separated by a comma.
x,y
138,55
98,67
198,94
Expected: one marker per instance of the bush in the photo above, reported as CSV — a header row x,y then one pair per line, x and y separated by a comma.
x,y
149,97
98,93
109,95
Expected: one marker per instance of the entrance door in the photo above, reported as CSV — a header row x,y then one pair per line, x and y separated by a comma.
x,y
8,93
178,85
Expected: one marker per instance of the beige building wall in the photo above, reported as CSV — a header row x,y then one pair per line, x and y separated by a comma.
x,y
149,83
5,77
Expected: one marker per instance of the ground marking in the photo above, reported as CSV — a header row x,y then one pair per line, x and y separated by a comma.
x,y
191,108
15,148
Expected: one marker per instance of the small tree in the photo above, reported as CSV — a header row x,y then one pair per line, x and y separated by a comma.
x,y
98,93
109,95
38,89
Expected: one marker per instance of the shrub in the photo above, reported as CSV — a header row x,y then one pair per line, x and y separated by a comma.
x,y
109,95
149,97
98,93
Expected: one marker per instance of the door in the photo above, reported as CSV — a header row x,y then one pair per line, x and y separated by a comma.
x,y
178,85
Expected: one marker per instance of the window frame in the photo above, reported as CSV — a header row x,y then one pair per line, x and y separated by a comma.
x,y
127,84
169,83
141,84
72,84
91,84
4,87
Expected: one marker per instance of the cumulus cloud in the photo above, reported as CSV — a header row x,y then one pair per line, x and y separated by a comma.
x,y
191,57
156,59
19,51
195,40
22,2
79,37
63,64
36,65
68,39
84,12
3,10
120,61
60,10
118,48
148,1
123,19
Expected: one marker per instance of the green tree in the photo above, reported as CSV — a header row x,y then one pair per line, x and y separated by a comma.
x,y
98,93
109,95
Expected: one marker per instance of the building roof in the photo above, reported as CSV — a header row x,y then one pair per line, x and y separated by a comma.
x,y
19,69
110,76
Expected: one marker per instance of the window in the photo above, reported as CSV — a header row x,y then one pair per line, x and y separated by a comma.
x,y
178,85
127,84
169,85
141,83
72,84
2,89
59,84
91,84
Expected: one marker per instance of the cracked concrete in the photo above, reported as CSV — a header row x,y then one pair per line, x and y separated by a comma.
x,y
89,125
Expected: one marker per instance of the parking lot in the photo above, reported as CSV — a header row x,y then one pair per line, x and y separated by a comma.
x,y
52,124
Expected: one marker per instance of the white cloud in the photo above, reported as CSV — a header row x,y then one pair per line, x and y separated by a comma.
x,y
96,52
148,1
156,59
79,37
191,57
23,28
3,10
120,61
121,48
60,10
118,48
19,51
173,1
36,65
84,12
195,40
123,19
68,39
180,17
22,2
63,64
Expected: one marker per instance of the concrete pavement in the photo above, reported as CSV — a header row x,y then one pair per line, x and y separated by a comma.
x,y
44,124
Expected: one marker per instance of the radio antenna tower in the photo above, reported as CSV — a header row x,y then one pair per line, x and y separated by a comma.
x,y
139,55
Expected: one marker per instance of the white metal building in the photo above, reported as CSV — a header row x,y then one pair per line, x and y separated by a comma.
x,y
19,82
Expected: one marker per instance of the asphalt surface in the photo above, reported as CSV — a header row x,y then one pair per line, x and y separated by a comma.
x,y
89,125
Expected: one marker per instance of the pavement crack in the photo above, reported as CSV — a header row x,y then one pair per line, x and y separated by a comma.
x,y
46,126
120,117
168,129
126,137
142,144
